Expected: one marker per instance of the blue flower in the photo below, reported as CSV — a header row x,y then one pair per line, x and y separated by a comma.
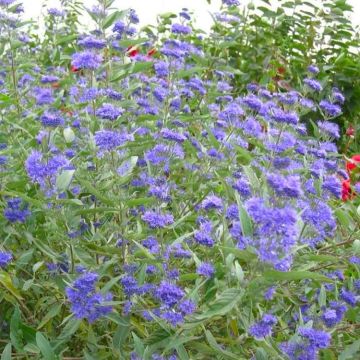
x,y
5,258
91,42
329,108
231,2
52,119
349,297
155,219
16,211
169,294
172,135
180,29
46,79
329,129
86,60
212,202
161,68
85,301
313,69
109,140
203,236
318,338
288,186
333,185
205,269
334,314
109,112
313,84
263,328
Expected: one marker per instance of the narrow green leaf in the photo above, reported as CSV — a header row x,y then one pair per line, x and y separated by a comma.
x,y
218,349
45,346
294,276
6,354
64,179
350,351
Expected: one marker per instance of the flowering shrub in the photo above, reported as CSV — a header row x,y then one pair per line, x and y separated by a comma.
x,y
152,210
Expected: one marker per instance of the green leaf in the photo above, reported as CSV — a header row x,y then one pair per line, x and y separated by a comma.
x,y
15,334
294,276
245,220
117,319
66,39
54,311
69,135
129,165
128,42
64,179
350,351
221,306
45,346
175,341
6,282
138,344
6,354
92,190
110,19
244,255
218,349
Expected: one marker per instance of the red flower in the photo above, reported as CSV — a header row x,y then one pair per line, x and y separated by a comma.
x,y
151,52
346,193
74,69
350,131
132,51
353,163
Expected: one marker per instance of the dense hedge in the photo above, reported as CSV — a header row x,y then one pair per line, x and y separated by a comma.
x,y
171,194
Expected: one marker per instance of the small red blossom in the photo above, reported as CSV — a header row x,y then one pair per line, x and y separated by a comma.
x,y
74,69
132,51
353,163
350,131
151,52
346,192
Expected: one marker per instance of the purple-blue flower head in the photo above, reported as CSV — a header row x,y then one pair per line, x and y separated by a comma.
x,y
51,119
109,140
349,297
48,79
172,135
155,219
161,68
313,69
334,314
205,269
330,109
231,2
16,211
329,129
263,328
313,84
91,42
180,29
5,258
86,60
212,202
109,112
289,186
318,338
169,294
332,184
85,301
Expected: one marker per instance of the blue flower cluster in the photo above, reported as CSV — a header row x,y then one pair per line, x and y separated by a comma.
x,y
86,303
